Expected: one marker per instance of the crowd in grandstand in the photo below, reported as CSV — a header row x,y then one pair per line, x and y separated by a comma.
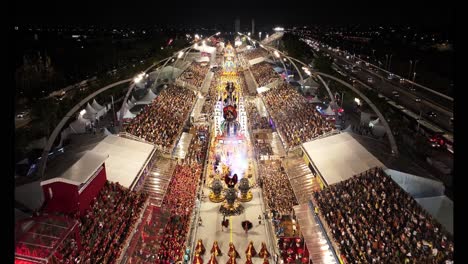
x,y
276,188
375,221
106,226
161,122
255,119
178,204
263,73
195,74
251,54
295,118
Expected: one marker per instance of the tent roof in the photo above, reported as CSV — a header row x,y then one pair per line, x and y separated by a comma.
x,y
126,158
82,170
441,208
339,157
97,106
328,111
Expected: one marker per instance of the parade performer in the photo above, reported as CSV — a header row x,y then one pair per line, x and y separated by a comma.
x,y
265,260
249,259
198,259
263,251
251,249
232,260
230,181
232,251
200,249
212,259
215,249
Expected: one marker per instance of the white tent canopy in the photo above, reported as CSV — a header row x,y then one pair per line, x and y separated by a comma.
x,y
329,111
149,97
127,114
79,125
97,106
339,157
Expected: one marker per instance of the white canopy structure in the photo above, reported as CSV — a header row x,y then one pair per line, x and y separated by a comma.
x,y
203,59
99,108
127,158
337,158
82,170
91,113
96,106
149,97
127,114
329,111
79,125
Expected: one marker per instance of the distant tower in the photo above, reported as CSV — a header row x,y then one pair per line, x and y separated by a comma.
x,y
237,25
253,26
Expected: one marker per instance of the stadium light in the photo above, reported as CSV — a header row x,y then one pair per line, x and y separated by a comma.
x,y
82,112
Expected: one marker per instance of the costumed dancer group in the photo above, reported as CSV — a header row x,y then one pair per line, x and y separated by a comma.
x,y
233,254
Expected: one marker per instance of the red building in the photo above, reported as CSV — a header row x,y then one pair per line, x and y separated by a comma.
x,y
73,191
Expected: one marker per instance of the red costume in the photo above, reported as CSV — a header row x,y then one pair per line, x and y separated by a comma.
x,y
232,260
251,250
215,249
200,249
249,259
198,259
232,251
263,251
212,260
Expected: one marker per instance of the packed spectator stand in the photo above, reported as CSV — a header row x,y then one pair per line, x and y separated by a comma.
x,y
168,246
251,54
296,119
105,228
195,74
373,220
263,73
161,122
255,119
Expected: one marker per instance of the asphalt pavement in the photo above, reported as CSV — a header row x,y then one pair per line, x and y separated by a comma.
x,y
406,98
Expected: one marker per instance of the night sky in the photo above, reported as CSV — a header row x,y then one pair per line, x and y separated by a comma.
x,y
286,12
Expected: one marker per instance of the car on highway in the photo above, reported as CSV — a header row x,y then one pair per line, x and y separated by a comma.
x,y
22,115
417,99
390,76
431,114
402,80
370,80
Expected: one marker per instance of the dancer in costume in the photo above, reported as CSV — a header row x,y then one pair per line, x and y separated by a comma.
x,y
200,249
232,251
215,249
251,249
263,251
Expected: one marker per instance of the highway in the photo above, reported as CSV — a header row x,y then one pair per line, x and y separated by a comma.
x,y
408,93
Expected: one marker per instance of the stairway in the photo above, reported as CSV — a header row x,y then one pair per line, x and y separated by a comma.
x,y
158,180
